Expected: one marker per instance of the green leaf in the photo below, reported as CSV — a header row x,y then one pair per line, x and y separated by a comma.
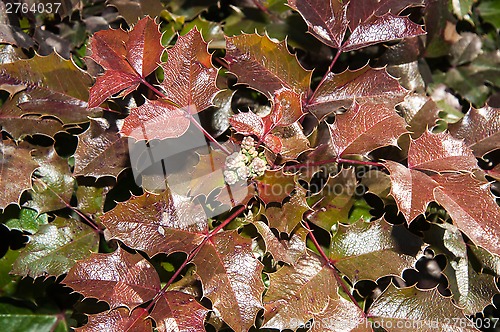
x,y
55,248
8,281
53,184
90,200
19,319
333,203
370,250
490,12
275,185
29,220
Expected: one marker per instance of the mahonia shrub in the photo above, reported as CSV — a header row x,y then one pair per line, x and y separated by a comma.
x,y
310,165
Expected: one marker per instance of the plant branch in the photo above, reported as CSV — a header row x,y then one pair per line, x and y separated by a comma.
x,y
323,79
193,254
330,263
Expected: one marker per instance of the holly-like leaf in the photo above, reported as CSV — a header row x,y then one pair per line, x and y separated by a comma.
x,y
101,151
127,57
286,217
90,199
53,184
119,278
366,84
370,22
333,203
370,250
283,250
133,10
424,310
164,223
147,121
53,86
381,29
489,11
420,112
440,153
364,128
275,185
309,290
28,221
19,124
118,320
190,77
326,19
265,65
287,108
472,208
412,189
248,123
17,163
55,248
231,278
177,311
480,130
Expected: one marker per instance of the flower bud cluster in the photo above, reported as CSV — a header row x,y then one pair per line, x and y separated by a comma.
x,y
247,163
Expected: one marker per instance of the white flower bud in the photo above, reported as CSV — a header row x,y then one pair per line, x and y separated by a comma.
x,y
258,166
230,177
247,143
242,172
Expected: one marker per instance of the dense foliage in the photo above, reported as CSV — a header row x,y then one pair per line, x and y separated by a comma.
x,y
311,165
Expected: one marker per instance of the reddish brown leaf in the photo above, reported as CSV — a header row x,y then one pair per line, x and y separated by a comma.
x,y
248,123
282,250
309,290
381,29
127,57
52,86
273,143
179,312
265,65
364,128
118,320
360,10
472,208
147,121
440,153
480,129
286,217
119,278
365,84
287,108
293,141
164,223
101,151
190,77
15,163
231,278
275,185
326,19
412,189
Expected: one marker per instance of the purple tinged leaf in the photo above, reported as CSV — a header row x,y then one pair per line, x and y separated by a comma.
x,y
119,278
118,320
164,223
248,123
326,19
440,153
364,128
381,29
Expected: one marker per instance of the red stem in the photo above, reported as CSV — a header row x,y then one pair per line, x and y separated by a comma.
x,y
193,254
330,263
323,79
